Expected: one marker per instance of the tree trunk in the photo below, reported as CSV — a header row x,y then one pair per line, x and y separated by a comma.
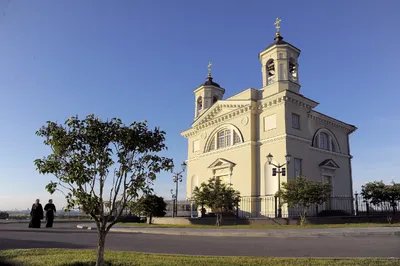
x,y
303,219
219,219
150,218
100,248
393,212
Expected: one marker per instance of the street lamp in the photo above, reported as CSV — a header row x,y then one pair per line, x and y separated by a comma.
x,y
173,203
280,171
177,177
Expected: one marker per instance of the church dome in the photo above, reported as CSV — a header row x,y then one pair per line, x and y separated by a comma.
x,y
210,82
279,41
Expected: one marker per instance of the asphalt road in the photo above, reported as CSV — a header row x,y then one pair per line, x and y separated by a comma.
x,y
67,236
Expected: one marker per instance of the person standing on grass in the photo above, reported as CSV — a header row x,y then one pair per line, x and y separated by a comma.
x,y
50,210
36,214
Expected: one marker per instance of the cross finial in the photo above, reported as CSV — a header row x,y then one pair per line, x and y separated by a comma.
x,y
209,68
277,26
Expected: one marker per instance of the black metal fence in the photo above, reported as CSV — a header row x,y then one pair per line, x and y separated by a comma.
x,y
185,208
267,206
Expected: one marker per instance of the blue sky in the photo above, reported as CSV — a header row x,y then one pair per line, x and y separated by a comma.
x,y
111,58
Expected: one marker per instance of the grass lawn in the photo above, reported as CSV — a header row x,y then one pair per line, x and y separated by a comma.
x,y
66,257
355,225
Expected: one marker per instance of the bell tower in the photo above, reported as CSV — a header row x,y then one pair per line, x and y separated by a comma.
x,y
280,67
207,94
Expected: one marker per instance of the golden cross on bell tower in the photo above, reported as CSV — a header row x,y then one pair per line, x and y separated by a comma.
x,y
209,69
277,26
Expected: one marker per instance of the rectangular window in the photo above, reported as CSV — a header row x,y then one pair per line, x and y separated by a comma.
x,y
196,145
269,122
298,170
295,121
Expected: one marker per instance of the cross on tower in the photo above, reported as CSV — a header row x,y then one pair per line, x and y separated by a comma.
x,y
277,26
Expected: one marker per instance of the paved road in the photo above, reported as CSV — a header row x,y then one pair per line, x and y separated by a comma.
x,y
16,236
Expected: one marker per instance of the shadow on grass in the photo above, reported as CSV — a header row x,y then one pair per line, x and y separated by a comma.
x,y
6,262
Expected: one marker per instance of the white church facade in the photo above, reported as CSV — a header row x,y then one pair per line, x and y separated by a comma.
x,y
230,138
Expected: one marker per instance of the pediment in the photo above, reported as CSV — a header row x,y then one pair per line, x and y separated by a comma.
x,y
221,163
220,108
329,163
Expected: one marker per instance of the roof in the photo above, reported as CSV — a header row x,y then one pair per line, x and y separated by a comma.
x,y
279,41
210,82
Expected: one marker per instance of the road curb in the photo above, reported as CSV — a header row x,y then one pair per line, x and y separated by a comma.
x,y
43,221
86,227
246,234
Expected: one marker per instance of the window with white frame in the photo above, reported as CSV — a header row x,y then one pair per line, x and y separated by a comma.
x,y
298,167
236,138
295,121
333,146
224,138
211,146
196,145
324,139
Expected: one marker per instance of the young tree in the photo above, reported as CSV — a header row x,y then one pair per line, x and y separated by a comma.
x,y
4,215
149,205
378,194
84,153
302,192
218,196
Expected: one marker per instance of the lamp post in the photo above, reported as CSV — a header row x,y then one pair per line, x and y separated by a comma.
x,y
281,170
177,177
173,203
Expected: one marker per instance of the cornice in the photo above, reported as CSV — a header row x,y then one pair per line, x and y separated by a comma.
x,y
218,106
273,139
243,110
300,139
270,102
282,137
284,98
267,141
331,121
210,117
330,152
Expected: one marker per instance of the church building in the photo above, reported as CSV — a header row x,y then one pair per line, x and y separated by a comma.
x,y
231,137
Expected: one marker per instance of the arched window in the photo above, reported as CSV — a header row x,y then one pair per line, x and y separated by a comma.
x,y
270,69
224,137
293,69
215,99
200,104
326,140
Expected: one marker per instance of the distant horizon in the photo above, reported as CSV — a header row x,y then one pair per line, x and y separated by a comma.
x,y
142,60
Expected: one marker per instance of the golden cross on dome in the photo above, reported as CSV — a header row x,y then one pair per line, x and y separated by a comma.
x,y
209,68
277,26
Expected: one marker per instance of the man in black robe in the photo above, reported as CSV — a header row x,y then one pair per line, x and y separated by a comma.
x,y
50,210
36,214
